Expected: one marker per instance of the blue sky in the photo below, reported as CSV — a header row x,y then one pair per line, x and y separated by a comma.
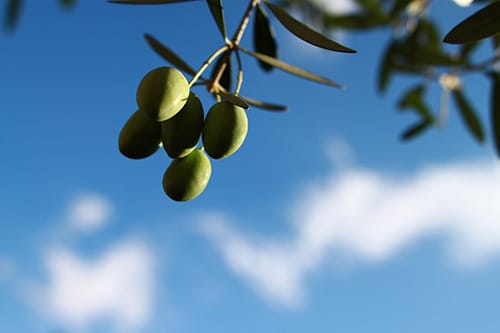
x,y
322,222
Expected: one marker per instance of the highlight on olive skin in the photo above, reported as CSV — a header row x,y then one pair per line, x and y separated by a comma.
x,y
162,93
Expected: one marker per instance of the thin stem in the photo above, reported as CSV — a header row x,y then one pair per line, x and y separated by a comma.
x,y
240,73
233,43
207,63
244,22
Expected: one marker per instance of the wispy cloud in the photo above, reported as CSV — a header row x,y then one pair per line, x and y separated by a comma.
x,y
89,212
116,288
366,216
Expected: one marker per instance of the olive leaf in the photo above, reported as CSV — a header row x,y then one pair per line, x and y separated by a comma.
x,y
264,40
468,115
169,55
218,15
226,78
12,14
291,69
415,130
495,109
264,105
305,33
233,99
147,2
482,24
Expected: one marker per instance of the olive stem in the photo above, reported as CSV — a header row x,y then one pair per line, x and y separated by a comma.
x,y
233,43
244,22
240,73
207,63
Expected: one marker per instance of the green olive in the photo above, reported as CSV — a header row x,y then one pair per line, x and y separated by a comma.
x,y
181,133
162,93
187,177
140,137
225,129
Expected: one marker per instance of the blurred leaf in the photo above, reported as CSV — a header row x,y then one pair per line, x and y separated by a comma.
x,y
291,69
430,56
482,24
386,67
373,7
415,130
413,99
218,15
353,21
429,34
147,2
233,99
226,78
264,105
68,4
12,14
398,7
468,115
263,37
304,32
495,109
169,55
466,49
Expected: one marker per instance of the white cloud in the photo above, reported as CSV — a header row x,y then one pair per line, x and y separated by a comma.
x,y
115,288
367,216
89,212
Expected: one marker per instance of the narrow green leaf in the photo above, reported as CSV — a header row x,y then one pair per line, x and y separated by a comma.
x,y
468,115
482,24
227,76
495,109
386,67
218,14
233,99
304,32
169,55
264,105
291,69
12,14
147,2
415,130
264,40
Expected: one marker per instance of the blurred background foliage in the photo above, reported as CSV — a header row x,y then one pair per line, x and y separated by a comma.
x,y
414,47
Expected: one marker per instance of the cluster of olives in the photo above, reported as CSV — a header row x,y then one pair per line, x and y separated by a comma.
x,y
172,116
